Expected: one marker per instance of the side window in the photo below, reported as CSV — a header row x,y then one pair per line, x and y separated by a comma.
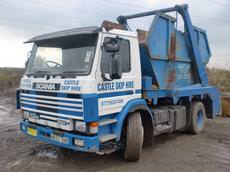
x,y
123,53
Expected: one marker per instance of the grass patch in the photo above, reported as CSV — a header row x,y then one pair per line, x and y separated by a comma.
x,y
226,106
10,77
10,73
219,78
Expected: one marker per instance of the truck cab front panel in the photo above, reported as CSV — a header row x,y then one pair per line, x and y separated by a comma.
x,y
77,111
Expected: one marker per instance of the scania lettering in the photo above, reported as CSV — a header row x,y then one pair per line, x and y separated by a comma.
x,y
46,86
108,88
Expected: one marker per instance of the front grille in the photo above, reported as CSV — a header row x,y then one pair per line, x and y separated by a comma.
x,y
52,103
53,94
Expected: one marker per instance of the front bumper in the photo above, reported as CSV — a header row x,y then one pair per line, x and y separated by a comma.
x,y
63,139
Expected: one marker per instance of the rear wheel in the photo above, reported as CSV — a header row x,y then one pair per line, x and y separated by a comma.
x,y
198,118
134,137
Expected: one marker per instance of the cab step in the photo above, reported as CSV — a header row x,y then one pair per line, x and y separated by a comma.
x,y
107,121
107,137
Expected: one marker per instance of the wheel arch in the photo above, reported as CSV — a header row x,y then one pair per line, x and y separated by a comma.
x,y
146,116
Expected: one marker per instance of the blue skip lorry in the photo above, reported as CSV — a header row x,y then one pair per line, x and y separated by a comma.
x,y
108,88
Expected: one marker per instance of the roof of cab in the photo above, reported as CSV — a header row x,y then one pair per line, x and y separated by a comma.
x,y
64,33
123,32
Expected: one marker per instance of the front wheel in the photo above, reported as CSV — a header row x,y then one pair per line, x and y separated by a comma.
x,y
134,137
198,117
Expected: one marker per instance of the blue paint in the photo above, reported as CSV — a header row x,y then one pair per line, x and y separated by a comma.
x,y
90,108
200,120
91,143
66,112
18,105
184,76
50,104
115,94
138,91
124,112
188,91
147,83
63,101
168,74
146,71
162,28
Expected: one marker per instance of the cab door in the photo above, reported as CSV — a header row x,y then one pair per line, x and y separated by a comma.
x,y
119,75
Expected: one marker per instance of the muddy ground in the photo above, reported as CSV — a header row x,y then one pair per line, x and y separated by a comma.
x,y
209,151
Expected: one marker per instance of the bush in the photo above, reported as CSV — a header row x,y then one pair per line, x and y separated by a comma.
x,y
219,78
10,77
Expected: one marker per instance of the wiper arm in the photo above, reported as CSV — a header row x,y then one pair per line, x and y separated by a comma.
x,y
74,71
42,71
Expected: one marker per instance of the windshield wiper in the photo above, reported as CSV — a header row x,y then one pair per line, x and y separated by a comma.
x,y
70,72
42,71
74,71
38,73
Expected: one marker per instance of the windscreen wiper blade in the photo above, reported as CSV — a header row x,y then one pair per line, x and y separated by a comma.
x,y
42,72
74,71
71,72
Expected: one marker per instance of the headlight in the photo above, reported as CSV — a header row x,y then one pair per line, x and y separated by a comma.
x,y
63,122
90,128
80,126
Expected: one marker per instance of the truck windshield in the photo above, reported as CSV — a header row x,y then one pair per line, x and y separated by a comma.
x,y
72,55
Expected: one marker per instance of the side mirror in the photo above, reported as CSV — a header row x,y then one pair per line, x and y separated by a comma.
x,y
111,60
115,68
111,46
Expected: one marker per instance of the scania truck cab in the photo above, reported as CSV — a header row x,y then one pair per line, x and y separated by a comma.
x,y
101,89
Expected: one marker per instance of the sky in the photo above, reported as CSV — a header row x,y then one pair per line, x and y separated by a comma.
x,y
22,19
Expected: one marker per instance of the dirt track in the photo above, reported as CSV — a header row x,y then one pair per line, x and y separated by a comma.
x,y
209,151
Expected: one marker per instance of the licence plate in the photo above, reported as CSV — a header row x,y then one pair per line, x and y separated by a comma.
x,y
32,131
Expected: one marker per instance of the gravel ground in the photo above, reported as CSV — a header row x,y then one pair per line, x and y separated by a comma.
x,y
209,151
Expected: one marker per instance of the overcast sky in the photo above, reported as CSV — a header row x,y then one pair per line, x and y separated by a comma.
x,y
23,19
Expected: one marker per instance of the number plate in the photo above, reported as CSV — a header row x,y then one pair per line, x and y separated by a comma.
x,y
31,131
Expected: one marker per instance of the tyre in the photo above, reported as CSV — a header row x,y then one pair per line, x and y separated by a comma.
x,y
134,137
198,117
